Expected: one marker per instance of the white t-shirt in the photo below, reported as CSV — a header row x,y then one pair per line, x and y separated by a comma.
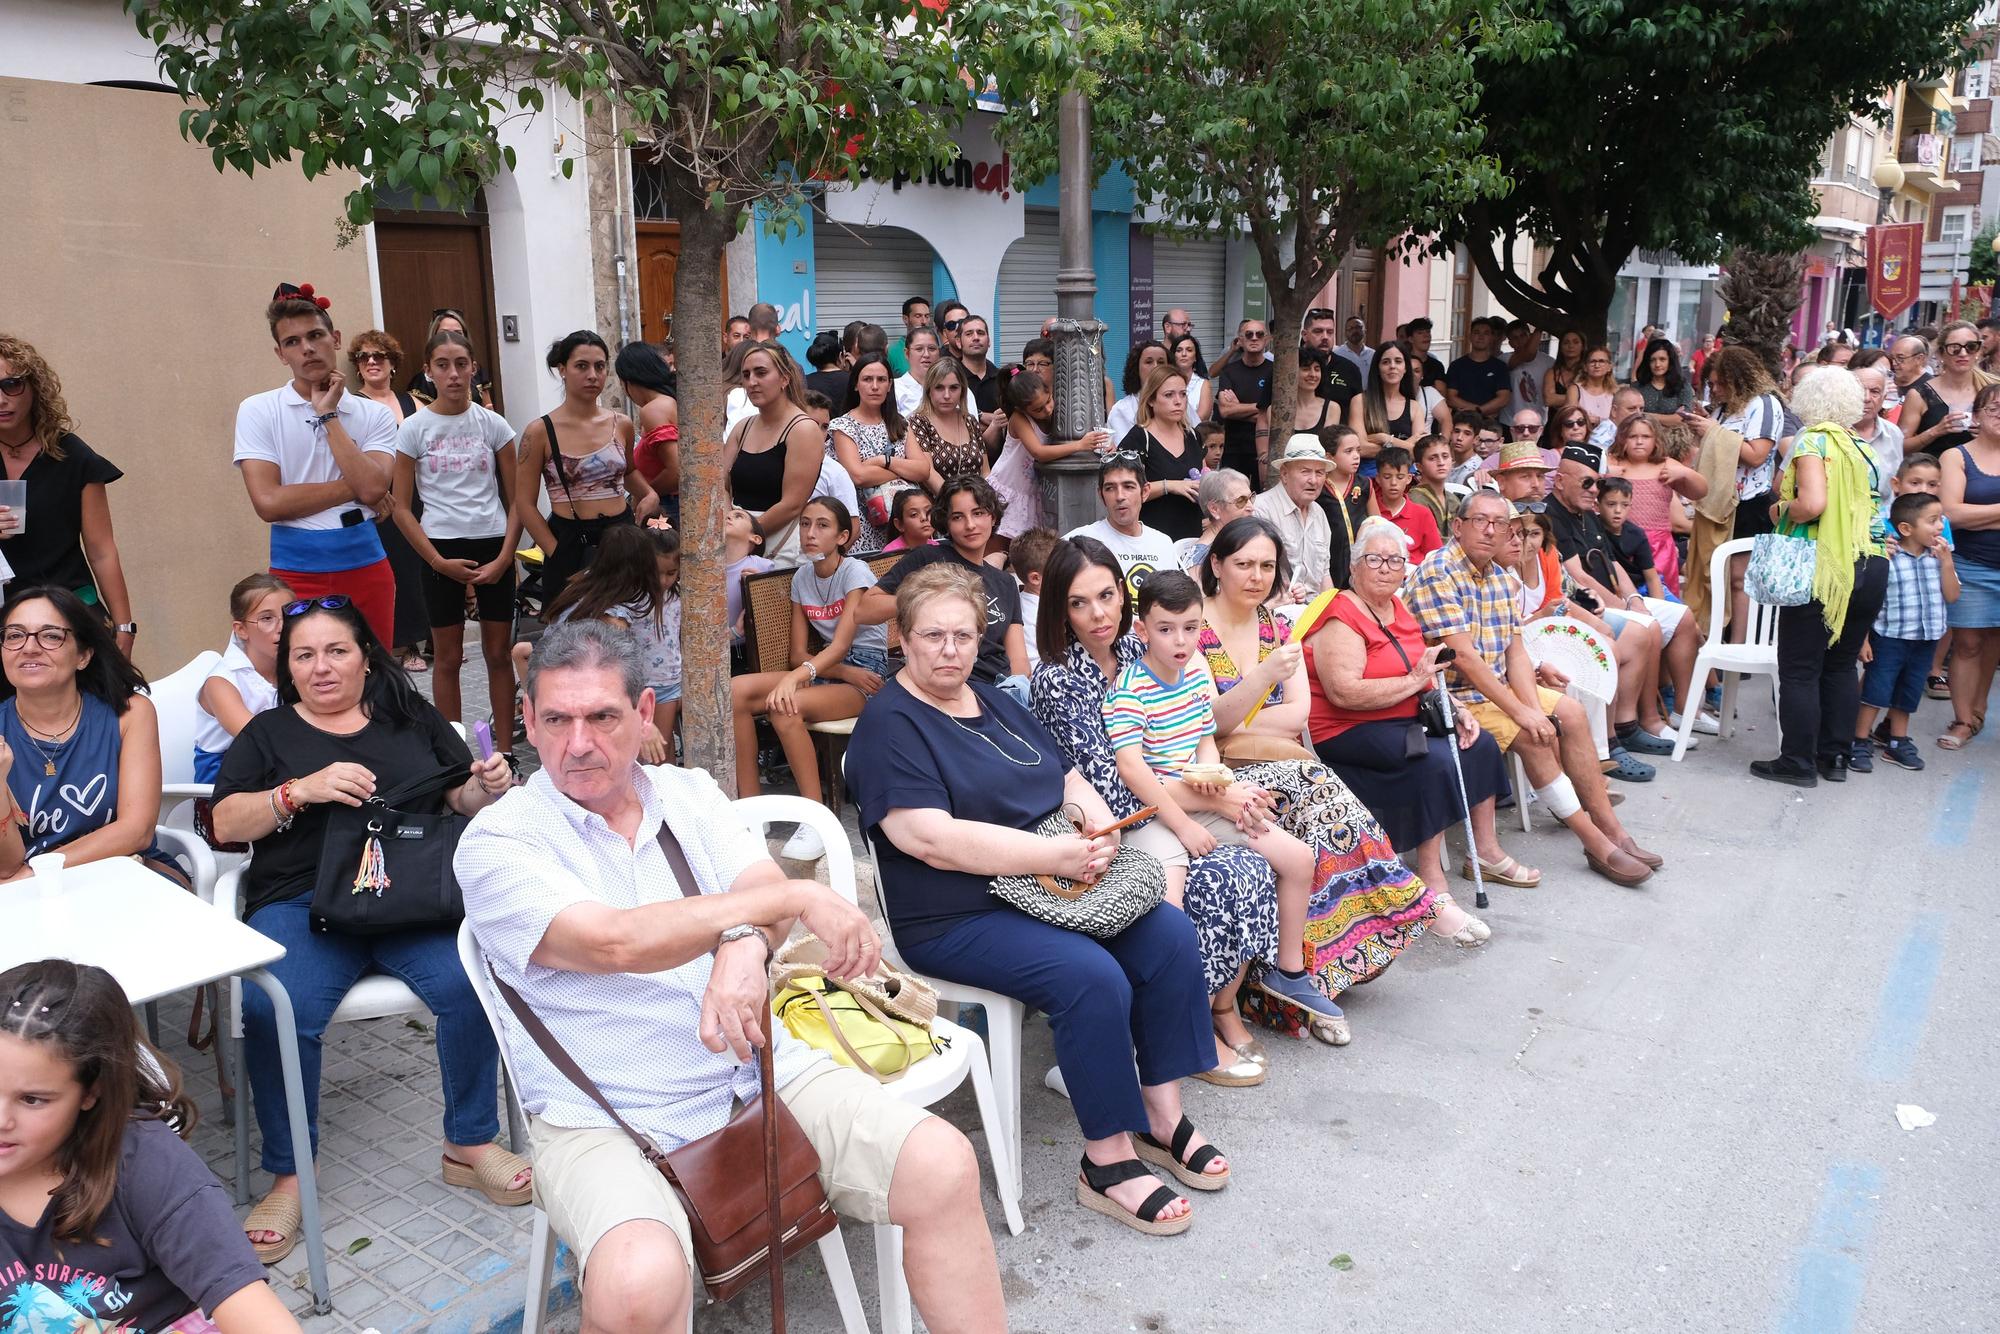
x,y
736,409
458,461
909,393
1123,417
1137,556
1031,607
1526,382
834,481
274,427
258,695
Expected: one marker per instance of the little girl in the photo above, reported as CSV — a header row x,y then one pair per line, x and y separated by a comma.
x,y
635,582
107,1219
841,662
911,518
1029,405
1659,481
245,682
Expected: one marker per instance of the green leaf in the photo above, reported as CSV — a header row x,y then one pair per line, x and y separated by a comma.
x,y
359,1244
1343,1262
568,167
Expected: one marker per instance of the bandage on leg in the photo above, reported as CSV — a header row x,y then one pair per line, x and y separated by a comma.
x,y
1559,798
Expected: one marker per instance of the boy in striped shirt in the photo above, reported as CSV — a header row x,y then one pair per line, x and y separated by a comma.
x,y
1160,716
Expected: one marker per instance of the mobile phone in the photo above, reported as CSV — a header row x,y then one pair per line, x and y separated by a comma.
x,y
482,733
1446,654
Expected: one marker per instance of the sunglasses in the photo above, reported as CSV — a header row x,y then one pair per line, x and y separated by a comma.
x,y
953,324
1534,506
1959,349
332,602
361,357
14,386
1255,333
1587,483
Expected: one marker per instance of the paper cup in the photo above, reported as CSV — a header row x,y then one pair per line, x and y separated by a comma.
x,y
48,869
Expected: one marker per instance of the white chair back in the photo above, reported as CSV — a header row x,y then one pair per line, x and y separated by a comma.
x,y
175,699
1763,628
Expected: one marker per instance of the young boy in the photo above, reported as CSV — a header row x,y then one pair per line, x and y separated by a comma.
x,y
1922,472
1922,579
1393,477
1026,556
1635,553
1161,720
1433,461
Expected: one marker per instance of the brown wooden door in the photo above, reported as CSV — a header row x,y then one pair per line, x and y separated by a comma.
x,y
659,261
425,265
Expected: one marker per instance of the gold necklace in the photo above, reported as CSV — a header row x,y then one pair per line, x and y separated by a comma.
x,y
34,736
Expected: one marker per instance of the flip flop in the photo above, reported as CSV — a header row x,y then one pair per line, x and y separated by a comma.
x,y
277,1212
1509,871
1096,1180
493,1177
1187,1167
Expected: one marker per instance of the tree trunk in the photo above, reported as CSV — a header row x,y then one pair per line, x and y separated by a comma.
x,y
707,727
1288,309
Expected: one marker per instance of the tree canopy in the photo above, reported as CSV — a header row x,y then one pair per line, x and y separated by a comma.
x,y
1665,125
1312,127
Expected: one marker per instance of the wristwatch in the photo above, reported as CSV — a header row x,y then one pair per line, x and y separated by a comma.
x,y
743,931
126,628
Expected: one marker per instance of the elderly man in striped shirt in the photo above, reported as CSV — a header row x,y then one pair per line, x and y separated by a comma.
x,y
1160,716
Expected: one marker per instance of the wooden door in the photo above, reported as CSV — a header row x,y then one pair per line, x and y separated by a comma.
x,y
659,262
427,264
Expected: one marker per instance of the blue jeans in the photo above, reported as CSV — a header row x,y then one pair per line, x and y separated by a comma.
x,y
318,969
1895,679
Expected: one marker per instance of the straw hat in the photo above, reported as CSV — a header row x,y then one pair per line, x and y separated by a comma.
x,y
1521,456
1302,448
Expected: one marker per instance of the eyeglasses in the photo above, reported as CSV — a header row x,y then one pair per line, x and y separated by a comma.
x,y
360,357
1375,562
332,602
1481,521
937,639
14,386
265,621
1255,333
50,637
1237,503
1958,349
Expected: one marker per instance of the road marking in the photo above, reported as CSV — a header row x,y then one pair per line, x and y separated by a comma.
x,y
1955,812
1905,1005
1832,1264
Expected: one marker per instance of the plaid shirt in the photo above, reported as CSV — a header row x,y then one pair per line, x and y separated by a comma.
x,y
1914,608
1449,596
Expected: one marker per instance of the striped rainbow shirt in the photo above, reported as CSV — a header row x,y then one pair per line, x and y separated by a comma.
x,y
1167,720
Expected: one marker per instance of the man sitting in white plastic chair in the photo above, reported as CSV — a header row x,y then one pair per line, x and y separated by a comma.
x,y
661,998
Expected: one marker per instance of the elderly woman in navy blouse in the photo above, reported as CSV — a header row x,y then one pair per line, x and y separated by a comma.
x,y
1231,894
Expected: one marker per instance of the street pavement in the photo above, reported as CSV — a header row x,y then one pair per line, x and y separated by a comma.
x,y
1652,1109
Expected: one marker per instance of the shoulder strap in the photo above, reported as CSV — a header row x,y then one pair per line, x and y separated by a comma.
x,y
562,473
441,779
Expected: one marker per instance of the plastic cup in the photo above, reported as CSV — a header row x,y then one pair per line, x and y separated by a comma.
x,y
48,869
14,495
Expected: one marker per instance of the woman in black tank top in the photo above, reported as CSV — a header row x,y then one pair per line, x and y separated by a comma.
x,y
773,459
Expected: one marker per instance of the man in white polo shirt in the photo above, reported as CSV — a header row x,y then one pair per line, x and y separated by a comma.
x,y
657,991
314,458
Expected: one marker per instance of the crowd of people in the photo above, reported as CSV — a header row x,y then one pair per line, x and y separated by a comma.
x,y
1287,661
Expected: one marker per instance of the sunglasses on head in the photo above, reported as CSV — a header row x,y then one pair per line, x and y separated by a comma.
x,y
953,324
331,602
14,386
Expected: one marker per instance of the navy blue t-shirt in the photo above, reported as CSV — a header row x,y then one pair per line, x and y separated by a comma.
x,y
1478,381
1001,767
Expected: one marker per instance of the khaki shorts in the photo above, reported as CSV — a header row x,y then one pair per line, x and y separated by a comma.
x,y
1494,719
591,1180
1154,837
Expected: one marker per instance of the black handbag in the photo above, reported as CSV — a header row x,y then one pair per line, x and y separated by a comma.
x,y
383,869
1430,701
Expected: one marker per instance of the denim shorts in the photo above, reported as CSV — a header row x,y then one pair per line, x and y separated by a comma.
x,y
667,694
1894,677
868,660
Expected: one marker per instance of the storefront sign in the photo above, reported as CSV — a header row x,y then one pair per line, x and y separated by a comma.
x,y
1893,268
1140,253
983,177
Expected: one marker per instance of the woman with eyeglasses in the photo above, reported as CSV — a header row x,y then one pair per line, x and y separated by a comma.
x,y
1171,454
1367,667
245,682
446,320
1593,390
1941,404
79,742
1222,494
1366,906
376,357
350,726
70,543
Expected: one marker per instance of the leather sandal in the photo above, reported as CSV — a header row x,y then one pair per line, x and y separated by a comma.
x,y
1635,872
493,1177
277,1212
1189,1168
1951,740
1507,871
1096,1180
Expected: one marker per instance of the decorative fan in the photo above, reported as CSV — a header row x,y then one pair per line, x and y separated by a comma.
x,y
1577,651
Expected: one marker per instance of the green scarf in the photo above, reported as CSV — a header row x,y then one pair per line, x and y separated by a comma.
x,y
1842,529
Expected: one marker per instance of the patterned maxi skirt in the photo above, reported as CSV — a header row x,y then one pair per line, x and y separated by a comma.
x,y
1367,906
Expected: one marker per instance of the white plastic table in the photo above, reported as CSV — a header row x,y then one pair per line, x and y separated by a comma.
x,y
157,939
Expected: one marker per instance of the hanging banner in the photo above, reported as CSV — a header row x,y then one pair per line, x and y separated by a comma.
x,y
1894,273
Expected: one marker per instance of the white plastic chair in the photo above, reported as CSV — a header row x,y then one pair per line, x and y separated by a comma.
x,y
1757,655
174,701
923,1084
377,996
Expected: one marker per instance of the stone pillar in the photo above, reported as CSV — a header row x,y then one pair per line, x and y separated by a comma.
x,y
1069,486
1069,492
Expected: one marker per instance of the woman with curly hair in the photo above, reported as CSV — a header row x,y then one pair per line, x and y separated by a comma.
x,y
70,544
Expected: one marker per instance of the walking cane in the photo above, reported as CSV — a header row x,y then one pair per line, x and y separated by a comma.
x,y
1471,843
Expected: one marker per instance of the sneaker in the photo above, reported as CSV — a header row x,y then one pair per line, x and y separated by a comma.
x,y
1902,751
1708,722
1778,771
1643,742
805,845
1861,758
1296,991
1631,770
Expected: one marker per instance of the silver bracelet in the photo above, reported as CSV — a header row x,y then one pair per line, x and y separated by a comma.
x,y
278,814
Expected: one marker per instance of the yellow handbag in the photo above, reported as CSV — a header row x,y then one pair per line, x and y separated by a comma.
x,y
856,1027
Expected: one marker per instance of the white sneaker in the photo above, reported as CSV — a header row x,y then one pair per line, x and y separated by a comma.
x,y
1673,734
805,845
1707,723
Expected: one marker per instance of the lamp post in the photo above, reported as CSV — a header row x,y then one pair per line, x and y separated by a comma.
x,y
1069,486
1889,178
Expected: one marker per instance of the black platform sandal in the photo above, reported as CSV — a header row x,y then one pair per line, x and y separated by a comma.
x,y
1188,1169
1096,1180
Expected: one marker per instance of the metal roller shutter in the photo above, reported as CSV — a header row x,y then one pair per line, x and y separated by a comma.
x,y
1192,276
1028,284
866,273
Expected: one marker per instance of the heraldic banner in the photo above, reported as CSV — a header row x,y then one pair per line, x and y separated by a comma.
x,y
1895,252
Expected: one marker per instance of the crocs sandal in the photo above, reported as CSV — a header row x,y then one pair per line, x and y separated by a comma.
x,y
494,1176
1508,871
277,1212
1622,765
1189,1168
1096,1180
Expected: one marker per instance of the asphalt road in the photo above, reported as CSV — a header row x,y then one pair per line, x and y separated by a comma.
x,y
1655,1109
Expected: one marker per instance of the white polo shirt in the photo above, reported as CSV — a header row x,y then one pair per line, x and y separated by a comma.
x,y
276,427
535,852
